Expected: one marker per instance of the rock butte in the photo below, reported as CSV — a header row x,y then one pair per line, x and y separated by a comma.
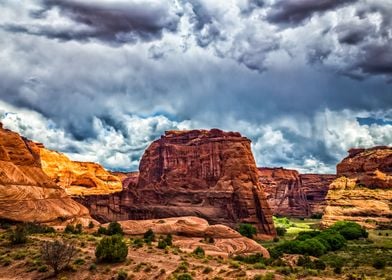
x,y
27,194
206,173
190,231
78,178
363,190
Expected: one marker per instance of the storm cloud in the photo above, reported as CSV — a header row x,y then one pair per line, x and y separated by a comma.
x,y
105,78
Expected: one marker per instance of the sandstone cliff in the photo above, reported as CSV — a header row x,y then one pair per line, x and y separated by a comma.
x,y
209,174
284,192
26,193
363,190
78,178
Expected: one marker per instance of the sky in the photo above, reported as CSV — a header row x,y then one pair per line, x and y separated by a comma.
x,y
98,80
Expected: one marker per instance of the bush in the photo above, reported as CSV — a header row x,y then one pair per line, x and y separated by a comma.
x,y
137,243
114,228
184,276
102,230
199,252
169,240
149,236
18,235
281,231
250,259
316,216
91,224
207,270
349,230
379,263
247,230
58,254
111,249
74,230
312,247
32,228
122,275
319,264
332,240
162,244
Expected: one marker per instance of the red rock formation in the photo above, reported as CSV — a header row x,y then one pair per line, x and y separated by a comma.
x,y
363,190
26,193
284,192
315,187
210,174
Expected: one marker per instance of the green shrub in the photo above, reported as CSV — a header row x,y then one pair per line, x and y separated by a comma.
x,y
247,230
78,229
92,267
114,228
137,243
162,244
319,265
111,249
199,252
303,235
207,270
332,240
250,259
91,224
102,230
42,268
349,230
79,261
281,231
169,240
316,216
149,236
122,275
32,228
69,229
312,247
184,276
379,263
18,235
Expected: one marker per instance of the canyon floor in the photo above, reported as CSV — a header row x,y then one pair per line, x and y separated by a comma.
x,y
149,262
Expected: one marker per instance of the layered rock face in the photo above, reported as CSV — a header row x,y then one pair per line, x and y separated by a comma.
x,y
189,233
27,194
315,187
78,178
209,174
284,192
363,190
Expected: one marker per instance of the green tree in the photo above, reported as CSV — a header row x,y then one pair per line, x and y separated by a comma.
x,y
247,230
111,249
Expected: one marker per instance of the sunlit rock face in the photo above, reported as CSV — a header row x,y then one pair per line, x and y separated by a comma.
x,y
27,194
284,192
363,190
205,173
78,178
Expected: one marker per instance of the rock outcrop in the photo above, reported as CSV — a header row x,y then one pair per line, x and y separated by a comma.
x,y
27,194
209,174
284,192
190,232
363,190
78,178
315,187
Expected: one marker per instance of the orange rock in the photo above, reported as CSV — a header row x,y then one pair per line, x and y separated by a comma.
x,y
26,193
363,190
78,178
189,233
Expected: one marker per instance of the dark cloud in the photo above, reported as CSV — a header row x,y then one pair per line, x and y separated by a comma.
x,y
352,33
296,11
109,21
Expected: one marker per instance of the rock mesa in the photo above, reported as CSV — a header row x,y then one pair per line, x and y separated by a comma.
x,y
363,190
206,173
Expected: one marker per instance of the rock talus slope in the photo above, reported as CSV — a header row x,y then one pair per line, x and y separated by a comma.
x,y
78,178
190,231
363,190
27,194
206,173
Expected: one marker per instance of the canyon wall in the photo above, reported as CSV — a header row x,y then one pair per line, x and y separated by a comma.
x,y
209,174
363,190
27,194
78,178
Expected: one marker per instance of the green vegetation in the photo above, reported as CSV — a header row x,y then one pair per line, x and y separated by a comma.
x,y
247,230
111,249
199,252
114,228
78,229
18,235
149,236
58,254
281,231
